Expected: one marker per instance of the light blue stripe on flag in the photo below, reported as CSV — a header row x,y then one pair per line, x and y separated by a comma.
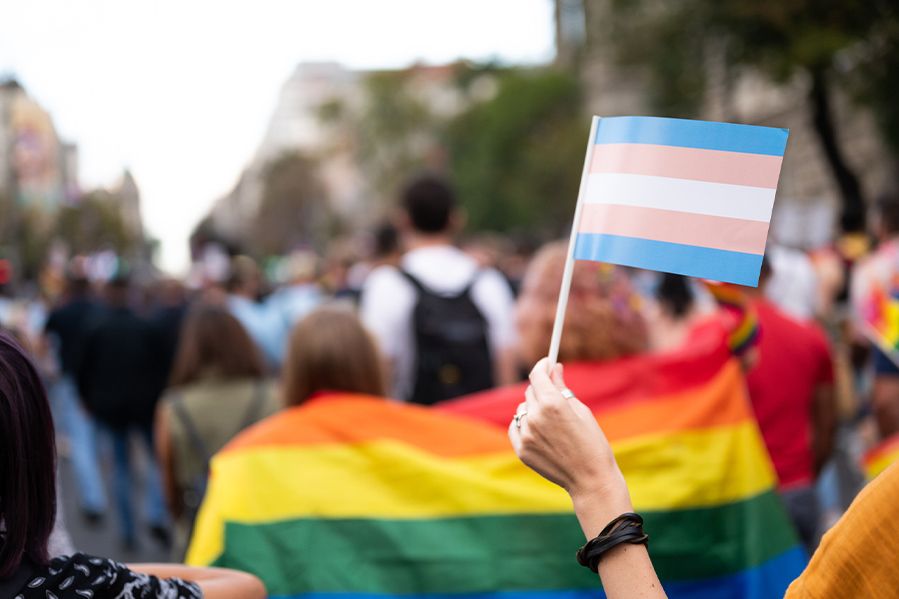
x,y
690,260
706,135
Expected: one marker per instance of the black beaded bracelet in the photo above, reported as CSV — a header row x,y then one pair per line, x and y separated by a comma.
x,y
626,528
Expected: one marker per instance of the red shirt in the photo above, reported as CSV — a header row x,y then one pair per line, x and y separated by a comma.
x,y
793,360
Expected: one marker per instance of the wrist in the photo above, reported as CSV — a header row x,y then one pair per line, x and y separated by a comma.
x,y
597,505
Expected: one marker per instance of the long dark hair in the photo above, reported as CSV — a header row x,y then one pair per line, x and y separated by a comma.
x,y
27,460
675,295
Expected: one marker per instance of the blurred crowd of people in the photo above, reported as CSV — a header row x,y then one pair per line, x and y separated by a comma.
x,y
180,370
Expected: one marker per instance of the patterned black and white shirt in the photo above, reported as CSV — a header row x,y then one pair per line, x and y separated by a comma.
x,y
81,576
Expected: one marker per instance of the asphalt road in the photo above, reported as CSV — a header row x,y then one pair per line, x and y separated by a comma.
x,y
104,538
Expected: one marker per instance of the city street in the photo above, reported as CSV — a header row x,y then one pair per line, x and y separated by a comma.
x,y
103,538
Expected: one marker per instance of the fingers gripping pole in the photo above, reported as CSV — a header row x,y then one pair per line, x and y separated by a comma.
x,y
569,260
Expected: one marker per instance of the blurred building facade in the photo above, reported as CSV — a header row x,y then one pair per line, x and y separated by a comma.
x,y
320,114
45,215
37,169
293,126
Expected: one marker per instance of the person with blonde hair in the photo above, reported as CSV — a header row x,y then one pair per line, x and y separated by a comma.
x,y
330,351
603,320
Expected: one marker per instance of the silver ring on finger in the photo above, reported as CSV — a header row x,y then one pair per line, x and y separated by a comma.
x,y
567,393
518,418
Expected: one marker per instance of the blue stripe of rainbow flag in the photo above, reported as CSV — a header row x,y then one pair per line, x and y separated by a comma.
x,y
765,580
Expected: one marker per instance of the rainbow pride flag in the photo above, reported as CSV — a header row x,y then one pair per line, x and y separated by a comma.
x,y
881,315
881,456
681,196
685,437
354,497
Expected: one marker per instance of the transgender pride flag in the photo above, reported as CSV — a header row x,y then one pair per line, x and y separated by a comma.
x,y
680,196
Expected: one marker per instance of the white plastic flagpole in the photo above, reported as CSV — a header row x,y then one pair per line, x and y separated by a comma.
x,y
569,261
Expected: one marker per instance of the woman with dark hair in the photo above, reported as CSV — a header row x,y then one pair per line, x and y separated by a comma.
x,y
28,511
217,390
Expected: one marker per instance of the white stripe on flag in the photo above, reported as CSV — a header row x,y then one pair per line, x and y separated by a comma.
x,y
683,195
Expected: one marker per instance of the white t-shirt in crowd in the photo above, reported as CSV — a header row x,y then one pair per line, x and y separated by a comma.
x,y
388,300
793,285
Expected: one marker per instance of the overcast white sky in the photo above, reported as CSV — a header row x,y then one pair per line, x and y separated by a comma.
x,y
180,91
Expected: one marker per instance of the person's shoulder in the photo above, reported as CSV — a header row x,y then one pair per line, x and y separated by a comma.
x,y
494,285
384,282
80,570
491,276
381,276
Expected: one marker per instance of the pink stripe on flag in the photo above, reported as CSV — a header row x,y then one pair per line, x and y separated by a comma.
x,y
715,166
717,232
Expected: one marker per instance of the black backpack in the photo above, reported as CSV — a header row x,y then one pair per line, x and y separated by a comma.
x,y
452,356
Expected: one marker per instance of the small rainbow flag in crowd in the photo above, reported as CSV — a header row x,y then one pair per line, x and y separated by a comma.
x,y
881,314
685,437
680,196
881,456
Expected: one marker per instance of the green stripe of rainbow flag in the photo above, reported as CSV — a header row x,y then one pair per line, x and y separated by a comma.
x,y
361,498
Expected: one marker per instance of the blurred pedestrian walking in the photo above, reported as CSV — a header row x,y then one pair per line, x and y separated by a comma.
x,y
444,324
167,318
300,294
791,387
265,325
66,330
217,390
116,376
879,272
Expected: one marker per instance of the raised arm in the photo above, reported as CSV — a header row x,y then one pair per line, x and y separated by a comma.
x,y
557,436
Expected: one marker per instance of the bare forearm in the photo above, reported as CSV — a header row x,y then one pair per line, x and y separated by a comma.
x,y
216,583
626,571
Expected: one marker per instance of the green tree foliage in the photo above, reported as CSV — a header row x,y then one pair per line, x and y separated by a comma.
x,y
392,133
516,158
293,210
94,223
833,44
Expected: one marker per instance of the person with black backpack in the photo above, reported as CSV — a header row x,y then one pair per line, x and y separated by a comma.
x,y
445,325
